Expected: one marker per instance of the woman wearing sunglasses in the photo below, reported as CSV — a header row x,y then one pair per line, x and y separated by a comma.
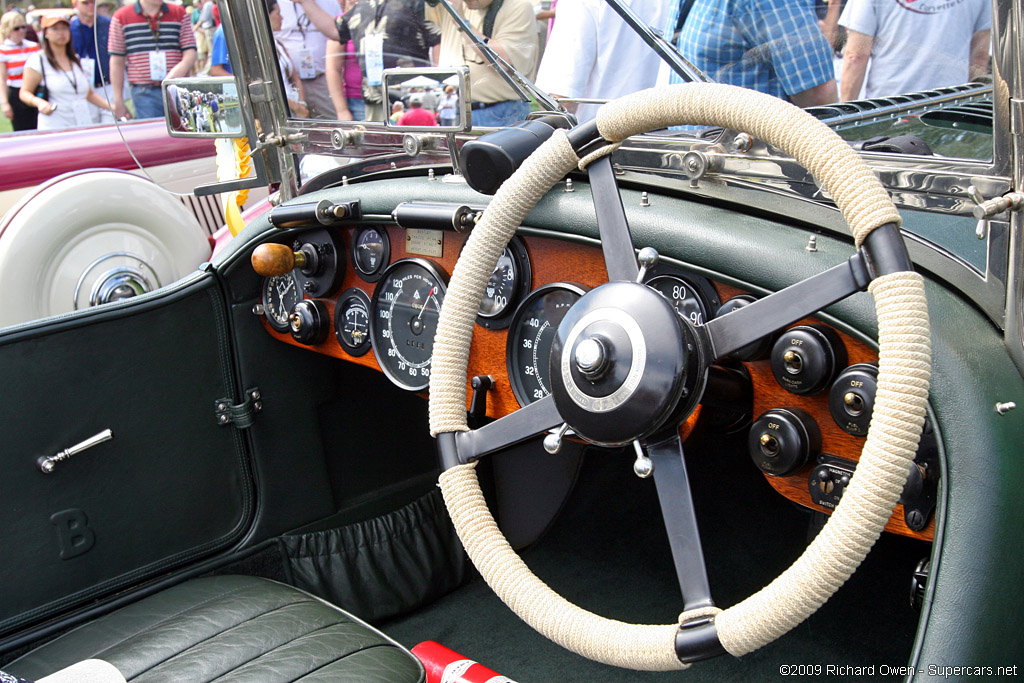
x,y
14,51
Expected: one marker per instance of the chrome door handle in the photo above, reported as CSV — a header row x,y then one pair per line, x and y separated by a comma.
x,y
47,463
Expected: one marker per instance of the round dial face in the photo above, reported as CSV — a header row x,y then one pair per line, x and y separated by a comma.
x,y
509,282
370,252
403,320
352,321
280,294
529,340
500,291
683,297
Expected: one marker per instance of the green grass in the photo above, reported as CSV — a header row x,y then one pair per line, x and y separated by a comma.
x,y
5,124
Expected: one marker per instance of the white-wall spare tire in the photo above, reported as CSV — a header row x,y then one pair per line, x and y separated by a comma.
x,y
92,237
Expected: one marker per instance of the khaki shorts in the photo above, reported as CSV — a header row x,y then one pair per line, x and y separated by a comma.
x,y
202,41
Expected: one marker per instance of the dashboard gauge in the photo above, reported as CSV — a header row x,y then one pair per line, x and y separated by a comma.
x,y
352,321
530,336
692,298
280,294
371,251
509,282
403,319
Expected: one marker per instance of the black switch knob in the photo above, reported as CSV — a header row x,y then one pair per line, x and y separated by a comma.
x,y
309,322
851,399
782,440
805,358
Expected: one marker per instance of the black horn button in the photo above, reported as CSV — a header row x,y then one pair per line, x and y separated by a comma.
x,y
618,363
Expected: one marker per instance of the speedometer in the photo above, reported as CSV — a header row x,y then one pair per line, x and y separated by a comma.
x,y
693,297
683,297
404,312
529,339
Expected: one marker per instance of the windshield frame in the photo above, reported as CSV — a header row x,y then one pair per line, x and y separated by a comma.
x,y
917,183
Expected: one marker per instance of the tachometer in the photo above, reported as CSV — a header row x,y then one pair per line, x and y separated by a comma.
x,y
280,294
403,320
530,335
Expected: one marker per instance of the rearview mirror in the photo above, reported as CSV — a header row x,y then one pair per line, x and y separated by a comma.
x,y
202,108
434,99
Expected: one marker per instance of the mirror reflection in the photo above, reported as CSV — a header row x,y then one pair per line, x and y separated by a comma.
x,y
341,57
432,98
205,107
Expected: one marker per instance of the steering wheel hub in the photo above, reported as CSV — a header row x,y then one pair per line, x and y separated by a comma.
x,y
591,357
619,363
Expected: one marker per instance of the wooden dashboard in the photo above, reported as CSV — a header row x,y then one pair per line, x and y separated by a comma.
x,y
554,260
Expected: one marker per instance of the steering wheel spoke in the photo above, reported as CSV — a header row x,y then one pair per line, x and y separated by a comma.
x,y
748,324
616,241
459,448
676,499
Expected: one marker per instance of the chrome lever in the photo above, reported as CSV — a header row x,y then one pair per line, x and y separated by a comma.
x,y
47,463
643,467
647,257
985,209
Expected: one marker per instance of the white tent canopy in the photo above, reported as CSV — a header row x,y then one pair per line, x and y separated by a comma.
x,y
419,82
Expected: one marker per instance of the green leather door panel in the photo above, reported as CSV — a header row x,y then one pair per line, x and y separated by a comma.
x,y
171,485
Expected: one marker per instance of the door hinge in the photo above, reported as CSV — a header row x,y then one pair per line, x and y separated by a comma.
x,y
241,415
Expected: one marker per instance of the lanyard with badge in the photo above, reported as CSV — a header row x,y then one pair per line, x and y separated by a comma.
x,y
157,58
373,49
304,56
80,106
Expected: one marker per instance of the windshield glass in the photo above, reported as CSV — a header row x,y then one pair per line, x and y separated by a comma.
x,y
814,53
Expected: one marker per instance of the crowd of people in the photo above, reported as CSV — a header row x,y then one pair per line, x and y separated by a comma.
x,y
810,52
332,53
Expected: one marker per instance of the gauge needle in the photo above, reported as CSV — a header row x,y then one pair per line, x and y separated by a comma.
x,y
426,301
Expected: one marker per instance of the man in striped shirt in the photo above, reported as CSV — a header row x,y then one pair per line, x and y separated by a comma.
x,y
154,40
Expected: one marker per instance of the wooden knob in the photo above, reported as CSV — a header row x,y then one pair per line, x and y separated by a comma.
x,y
273,259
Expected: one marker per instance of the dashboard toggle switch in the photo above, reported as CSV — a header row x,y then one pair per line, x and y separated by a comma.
x,y
309,322
782,440
806,358
851,399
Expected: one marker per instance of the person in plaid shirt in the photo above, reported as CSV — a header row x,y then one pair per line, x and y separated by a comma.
x,y
154,40
772,46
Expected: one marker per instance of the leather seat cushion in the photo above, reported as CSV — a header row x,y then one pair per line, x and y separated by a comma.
x,y
232,629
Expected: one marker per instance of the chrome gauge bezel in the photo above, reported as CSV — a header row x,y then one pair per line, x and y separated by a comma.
x,y
376,273
522,281
350,300
515,338
390,363
268,296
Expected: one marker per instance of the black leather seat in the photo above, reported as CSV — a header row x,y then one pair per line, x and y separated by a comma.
x,y
232,629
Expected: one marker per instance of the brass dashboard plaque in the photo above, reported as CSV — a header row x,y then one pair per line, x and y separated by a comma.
x,y
424,242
